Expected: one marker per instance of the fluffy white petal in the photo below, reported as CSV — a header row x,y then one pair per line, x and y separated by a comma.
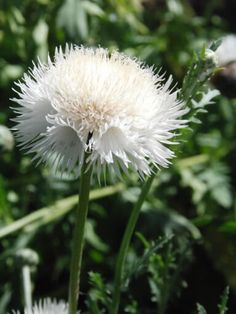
x,y
61,148
32,121
108,104
47,306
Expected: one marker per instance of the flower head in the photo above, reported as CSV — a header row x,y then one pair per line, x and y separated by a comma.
x,y
110,105
225,79
47,306
226,53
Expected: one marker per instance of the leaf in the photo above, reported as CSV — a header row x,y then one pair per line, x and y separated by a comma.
x,y
222,195
202,68
92,8
73,17
228,226
222,306
140,264
206,98
218,183
5,213
132,308
40,35
201,309
214,180
93,238
10,72
98,293
5,298
54,212
224,300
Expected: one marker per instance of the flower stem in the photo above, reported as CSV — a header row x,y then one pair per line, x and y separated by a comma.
x,y
125,245
27,287
77,249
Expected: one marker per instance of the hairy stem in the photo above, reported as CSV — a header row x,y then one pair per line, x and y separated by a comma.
x,y
27,287
125,245
77,249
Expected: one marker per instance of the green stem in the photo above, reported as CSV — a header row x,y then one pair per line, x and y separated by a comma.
x,y
57,210
27,287
77,249
125,245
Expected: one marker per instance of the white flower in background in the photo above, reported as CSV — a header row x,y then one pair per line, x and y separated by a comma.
x,y
6,138
47,306
87,100
226,53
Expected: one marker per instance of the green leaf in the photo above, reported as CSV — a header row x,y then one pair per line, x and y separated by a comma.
x,y
224,300
99,292
52,213
228,226
201,309
202,68
92,8
73,17
5,213
140,264
40,35
93,238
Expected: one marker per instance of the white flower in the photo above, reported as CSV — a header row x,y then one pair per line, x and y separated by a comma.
x,y
107,104
6,138
226,52
47,306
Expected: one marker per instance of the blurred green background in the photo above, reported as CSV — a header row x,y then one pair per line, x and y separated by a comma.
x,y
195,196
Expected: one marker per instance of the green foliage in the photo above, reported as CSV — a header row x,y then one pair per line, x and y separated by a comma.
x,y
201,309
195,92
223,309
165,272
139,265
224,300
202,67
99,295
213,182
161,261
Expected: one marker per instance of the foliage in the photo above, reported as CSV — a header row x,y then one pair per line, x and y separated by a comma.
x,y
223,309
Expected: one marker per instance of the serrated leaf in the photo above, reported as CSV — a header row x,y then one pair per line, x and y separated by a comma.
x,y
98,293
141,263
206,99
224,300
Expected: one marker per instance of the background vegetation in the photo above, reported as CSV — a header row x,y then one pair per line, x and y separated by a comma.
x,y
194,201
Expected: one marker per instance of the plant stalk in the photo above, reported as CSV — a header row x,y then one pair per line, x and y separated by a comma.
x,y
27,287
125,244
77,249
